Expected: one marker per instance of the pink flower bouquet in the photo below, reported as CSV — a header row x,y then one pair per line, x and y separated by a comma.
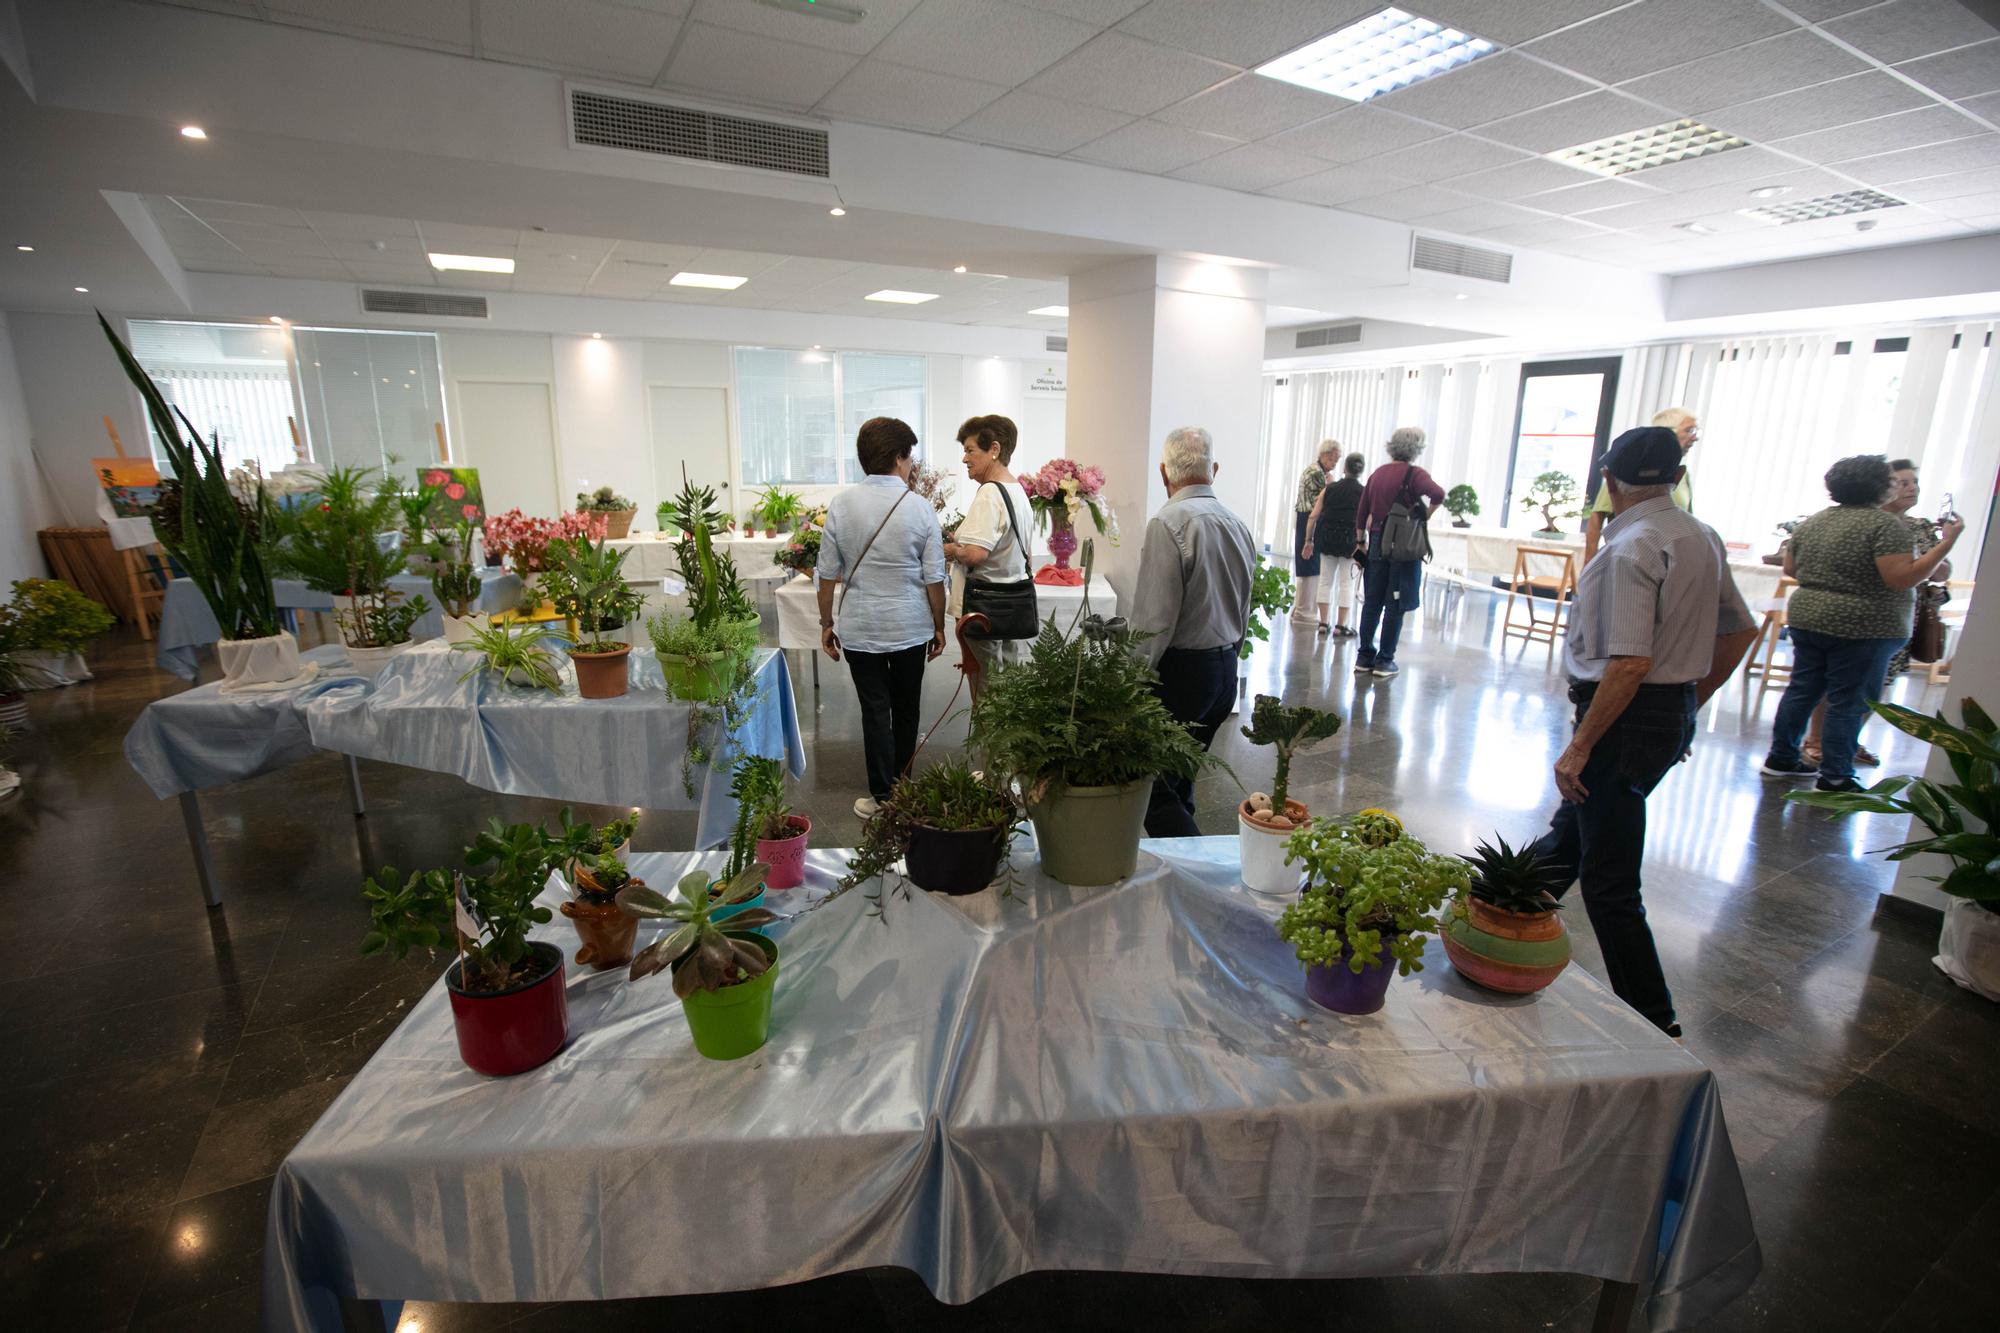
x,y
1061,492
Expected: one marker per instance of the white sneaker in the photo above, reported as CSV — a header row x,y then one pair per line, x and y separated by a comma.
x,y
867,806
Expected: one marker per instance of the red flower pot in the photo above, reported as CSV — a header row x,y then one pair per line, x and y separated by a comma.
x,y
514,1030
786,856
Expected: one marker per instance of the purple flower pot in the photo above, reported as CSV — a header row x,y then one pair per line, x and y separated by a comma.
x,y
1344,991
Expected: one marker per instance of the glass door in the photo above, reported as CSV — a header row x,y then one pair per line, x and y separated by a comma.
x,y
1562,423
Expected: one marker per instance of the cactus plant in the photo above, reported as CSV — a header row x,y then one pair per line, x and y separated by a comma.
x,y
1288,730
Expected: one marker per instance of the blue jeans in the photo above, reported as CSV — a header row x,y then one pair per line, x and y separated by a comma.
x,y
1602,840
1849,674
1388,589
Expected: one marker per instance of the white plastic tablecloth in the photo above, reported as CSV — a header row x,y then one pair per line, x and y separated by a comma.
x,y
1126,1079
652,556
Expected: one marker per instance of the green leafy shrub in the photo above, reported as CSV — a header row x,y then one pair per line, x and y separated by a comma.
x,y
1369,886
49,614
1461,501
1270,597
418,911
758,787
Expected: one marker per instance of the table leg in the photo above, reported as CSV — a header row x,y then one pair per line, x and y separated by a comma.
x,y
354,787
1614,1308
204,869
815,658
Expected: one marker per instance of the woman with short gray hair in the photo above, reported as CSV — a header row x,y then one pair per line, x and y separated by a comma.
x,y
1389,587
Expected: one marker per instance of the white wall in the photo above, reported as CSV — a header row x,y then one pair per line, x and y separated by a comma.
x,y
23,502
72,381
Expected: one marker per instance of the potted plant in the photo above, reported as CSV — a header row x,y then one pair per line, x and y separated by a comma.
x,y
605,503
949,827
423,551
724,977
1265,821
507,999
458,588
777,507
1962,820
17,676
766,830
606,930
345,547
1061,493
525,543
378,627
519,652
1555,494
1372,893
1078,725
586,842
215,536
1270,597
1504,932
1461,501
49,624
598,597
703,653
800,555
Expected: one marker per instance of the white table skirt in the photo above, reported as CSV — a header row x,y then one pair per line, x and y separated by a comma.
x,y
652,556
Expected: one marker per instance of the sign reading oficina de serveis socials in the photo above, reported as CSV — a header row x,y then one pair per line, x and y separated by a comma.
x,y
1048,382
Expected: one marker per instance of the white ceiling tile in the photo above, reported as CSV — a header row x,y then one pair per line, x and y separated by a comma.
x,y
1888,134
1122,73
1510,21
446,235
879,17
759,69
653,252
222,210
1250,106
1147,145
1417,201
1580,120
914,99
1795,59
446,23
594,38
360,224
1550,230
1356,133
1027,120
1956,185
1817,11
1908,29
1858,97
983,39
1454,155
1244,32
1100,13
1523,178
741,263
1986,105
1486,90
1969,206
1941,159
1251,167
1338,186
1480,217
1656,33
1598,194
1966,72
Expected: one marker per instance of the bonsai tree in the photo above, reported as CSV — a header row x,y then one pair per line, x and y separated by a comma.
x,y
1461,501
50,616
758,787
696,950
1555,494
1514,879
947,797
1286,730
1270,597
419,911
1372,893
604,500
518,652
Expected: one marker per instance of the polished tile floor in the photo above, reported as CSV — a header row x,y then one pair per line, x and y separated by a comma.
x,y
163,1059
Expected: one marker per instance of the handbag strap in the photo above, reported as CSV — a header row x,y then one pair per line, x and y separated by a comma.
x,y
1014,526
847,584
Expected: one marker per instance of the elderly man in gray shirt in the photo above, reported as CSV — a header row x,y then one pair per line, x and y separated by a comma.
x,y
1657,627
1194,598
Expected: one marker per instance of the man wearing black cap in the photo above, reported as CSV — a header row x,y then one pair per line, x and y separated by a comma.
x,y
1657,627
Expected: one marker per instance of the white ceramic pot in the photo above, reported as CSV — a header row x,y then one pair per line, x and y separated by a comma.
x,y
50,668
370,661
458,629
266,661
14,712
1262,851
519,677
1969,947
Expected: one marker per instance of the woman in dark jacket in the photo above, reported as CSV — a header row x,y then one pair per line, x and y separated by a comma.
x,y
1332,537
1389,588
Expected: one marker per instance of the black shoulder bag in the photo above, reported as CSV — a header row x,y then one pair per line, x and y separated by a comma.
x,y
1009,608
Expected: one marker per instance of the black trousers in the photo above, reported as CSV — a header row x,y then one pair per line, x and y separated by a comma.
x,y
1198,686
891,689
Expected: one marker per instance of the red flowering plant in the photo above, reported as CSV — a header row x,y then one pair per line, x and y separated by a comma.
x,y
525,542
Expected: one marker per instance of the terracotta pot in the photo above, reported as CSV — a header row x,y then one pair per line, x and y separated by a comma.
x,y
786,856
602,675
1515,952
1261,850
607,933
514,1030
617,522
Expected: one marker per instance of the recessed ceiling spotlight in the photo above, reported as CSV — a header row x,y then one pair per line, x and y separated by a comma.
x,y
1696,228
1053,311
837,212
1623,154
80,289
25,249
1460,296
894,297
1770,191
722,282
193,132
1826,206
277,319
472,263
815,347
1377,55
959,269
597,335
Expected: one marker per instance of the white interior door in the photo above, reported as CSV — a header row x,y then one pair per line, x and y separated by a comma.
x,y
509,435
691,428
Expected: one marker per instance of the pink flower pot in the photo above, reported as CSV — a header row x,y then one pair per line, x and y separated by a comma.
x,y
786,856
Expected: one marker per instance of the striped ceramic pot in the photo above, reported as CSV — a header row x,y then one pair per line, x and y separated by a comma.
x,y
1516,952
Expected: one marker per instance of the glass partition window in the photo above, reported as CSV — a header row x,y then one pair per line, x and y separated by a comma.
x,y
370,396
799,411
232,380
878,386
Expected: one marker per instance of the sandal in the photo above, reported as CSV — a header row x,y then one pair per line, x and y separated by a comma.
x,y
1866,758
1343,631
1324,629
1810,754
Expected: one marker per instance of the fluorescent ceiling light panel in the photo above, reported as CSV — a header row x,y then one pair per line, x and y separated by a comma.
x,y
1826,206
472,263
722,282
1377,55
1058,311
1623,154
894,297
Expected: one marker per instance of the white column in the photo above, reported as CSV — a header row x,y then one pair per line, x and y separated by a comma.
x,y
1156,343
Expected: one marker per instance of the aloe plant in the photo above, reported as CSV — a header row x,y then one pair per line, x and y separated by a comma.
x,y
697,951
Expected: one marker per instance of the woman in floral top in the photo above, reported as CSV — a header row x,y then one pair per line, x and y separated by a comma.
x,y
1306,567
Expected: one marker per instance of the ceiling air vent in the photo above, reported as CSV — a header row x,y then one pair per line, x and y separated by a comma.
x,y
423,303
1330,336
1461,261
601,120
1056,342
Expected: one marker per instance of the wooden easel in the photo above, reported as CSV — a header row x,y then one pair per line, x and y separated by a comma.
x,y
146,570
1561,586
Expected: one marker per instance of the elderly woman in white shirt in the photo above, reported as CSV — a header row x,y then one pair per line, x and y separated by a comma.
x,y
992,541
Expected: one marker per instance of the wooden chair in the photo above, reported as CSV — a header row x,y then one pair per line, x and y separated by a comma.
x,y
1939,672
1763,659
1561,586
146,577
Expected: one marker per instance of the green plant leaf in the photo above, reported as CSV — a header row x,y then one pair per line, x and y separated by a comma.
x,y
636,900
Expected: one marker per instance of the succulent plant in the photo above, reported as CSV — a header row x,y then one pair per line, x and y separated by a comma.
x,y
1288,730
700,955
1515,879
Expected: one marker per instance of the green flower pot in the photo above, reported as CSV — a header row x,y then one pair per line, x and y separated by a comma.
x,y
702,678
730,1023
1090,835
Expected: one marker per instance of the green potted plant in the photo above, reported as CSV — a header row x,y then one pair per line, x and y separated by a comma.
x,y
595,593
586,842
1078,725
507,1001
606,930
17,676
777,507
1962,821
1270,597
1372,893
1265,821
725,978
1460,502
617,511
50,624
423,550
456,584
1505,931
948,825
519,652
766,830
1555,494
703,652
342,546
217,540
